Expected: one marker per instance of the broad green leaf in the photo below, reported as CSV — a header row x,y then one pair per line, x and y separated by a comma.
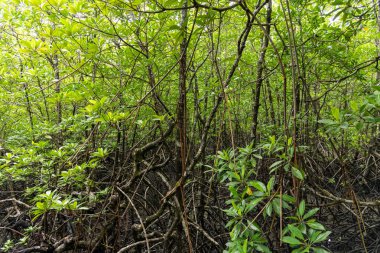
x,y
245,246
315,225
291,240
262,248
301,250
287,198
297,173
296,232
254,226
301,208
268,209
320,250
310,213
276,205
313,234
323,236
327,121
290,141
258,185
275,166
335,113
40,205
270,184
255,202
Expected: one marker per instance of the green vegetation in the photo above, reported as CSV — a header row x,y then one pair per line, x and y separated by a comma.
x,y
189,126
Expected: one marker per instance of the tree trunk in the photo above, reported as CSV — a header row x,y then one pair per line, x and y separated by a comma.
x,y
260,70
182,123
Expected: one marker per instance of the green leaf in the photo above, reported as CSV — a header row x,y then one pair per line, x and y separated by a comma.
x,y
296,232
268,209
254,226
255,202
320,250
313,234
257,156
301,250
322,237
233,191
297,173
335,113
354,106
262,248
290,140
174,27
327,122
245,246
288,198
234,205
310,213
258,185
301,208
270,184
337,2
344,125
276,205
291,240
230,223
315,225
276,164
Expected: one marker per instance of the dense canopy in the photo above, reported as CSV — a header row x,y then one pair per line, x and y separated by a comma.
x,y
190,126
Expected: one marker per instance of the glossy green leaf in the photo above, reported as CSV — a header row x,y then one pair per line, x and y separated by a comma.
x,y
291,240
301,208
322,237
297,173
320,250
310,213
296,232
258,185
315,225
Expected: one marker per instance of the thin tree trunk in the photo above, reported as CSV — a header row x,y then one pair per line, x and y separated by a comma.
x,y
28,106
55,65
260,69
375,129
182,123
271,105
377,40
44,97
26,94
265,105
